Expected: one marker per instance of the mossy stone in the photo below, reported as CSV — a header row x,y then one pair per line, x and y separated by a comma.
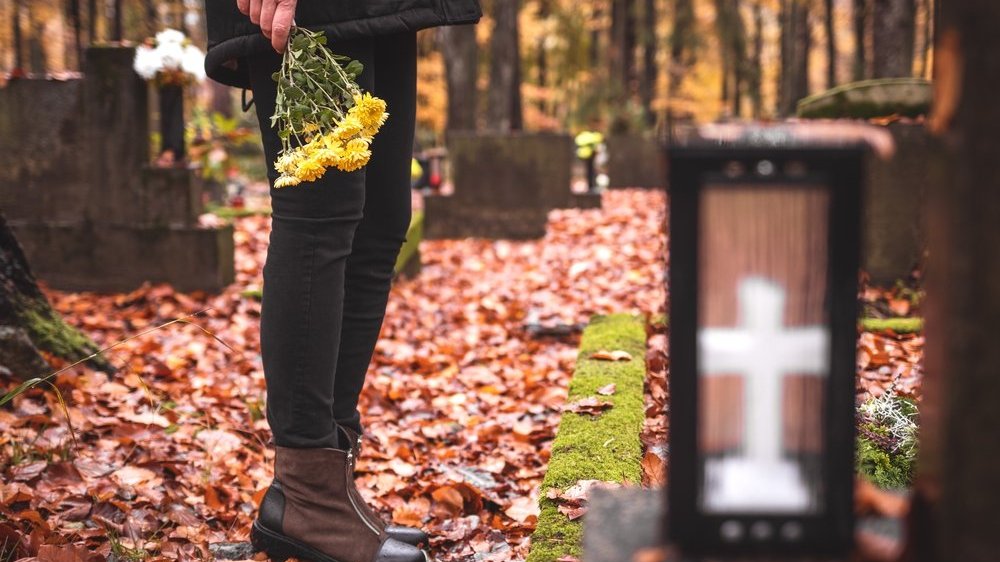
x,y
897,325
867,99
605,447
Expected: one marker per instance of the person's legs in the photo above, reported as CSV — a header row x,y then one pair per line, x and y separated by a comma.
x,y
302,307
310,509
383,229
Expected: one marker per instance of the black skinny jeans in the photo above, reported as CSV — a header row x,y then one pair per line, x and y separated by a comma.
x,y
330,258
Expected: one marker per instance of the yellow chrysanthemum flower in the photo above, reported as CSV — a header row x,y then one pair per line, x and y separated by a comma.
x,y
312,142
356,154
286,181
286,163
331,142
327,157
349,127
370,111
310,169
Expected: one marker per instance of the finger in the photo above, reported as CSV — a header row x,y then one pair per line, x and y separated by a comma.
x,y
282,24
244,6
255,11
267,17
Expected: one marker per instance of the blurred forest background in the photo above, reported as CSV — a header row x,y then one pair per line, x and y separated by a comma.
x,y
614,65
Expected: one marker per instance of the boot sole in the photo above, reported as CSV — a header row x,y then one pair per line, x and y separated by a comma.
x,y
280,548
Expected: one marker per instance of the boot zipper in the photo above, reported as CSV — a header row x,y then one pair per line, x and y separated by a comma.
x,y
350,496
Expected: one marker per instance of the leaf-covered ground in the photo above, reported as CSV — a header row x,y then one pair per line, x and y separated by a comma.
x,y
169,455
890,361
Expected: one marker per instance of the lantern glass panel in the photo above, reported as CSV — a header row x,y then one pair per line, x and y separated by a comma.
x,y
763,346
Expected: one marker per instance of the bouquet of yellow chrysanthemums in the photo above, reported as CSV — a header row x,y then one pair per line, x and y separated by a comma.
x,y
324,120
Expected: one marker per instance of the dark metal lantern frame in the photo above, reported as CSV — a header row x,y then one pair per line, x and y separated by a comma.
x,y
838,169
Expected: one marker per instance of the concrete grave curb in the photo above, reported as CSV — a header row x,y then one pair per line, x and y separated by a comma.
x,y
587,447
897,325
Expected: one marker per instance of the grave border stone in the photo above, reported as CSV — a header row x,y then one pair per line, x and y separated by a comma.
x,y
605,448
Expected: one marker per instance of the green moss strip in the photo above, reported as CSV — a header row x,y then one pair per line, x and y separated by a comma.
x,y
256,293
898,325
413,237
586,447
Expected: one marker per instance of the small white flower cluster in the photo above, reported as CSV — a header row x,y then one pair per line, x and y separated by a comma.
x,y
890,412
172,52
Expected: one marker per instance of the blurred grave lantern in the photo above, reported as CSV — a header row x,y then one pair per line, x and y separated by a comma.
x,y
431,170
763,286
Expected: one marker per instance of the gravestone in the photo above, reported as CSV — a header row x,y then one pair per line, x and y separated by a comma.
x,y
505,185
884,97
635,161
896,193
895,236
79,193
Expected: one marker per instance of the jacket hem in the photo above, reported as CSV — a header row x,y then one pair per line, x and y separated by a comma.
x,y
223,60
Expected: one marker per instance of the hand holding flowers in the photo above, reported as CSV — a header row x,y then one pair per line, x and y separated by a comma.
x,y
324,120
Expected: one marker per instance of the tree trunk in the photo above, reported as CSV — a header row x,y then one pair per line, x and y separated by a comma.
x,y
860,39
594,50
116,29
960,446
623,43
505,69
756,74
74,21
16,34
541,53
27,321
683,41
795,43
894,31
152,16
831,45
927,37
721,21
732,38
458,44
647,85
37,60
91,22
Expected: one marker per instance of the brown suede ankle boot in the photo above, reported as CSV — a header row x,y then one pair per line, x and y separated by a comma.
x,y
409,535
309,513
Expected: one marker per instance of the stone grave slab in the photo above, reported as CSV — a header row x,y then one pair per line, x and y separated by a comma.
x,y
635,161
505,185
77,188
883,97
895,233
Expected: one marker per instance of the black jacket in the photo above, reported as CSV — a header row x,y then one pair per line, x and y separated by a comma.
x,y
231,35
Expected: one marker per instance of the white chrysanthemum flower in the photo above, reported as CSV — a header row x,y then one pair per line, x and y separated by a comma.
x,y
169,36
147,62
172,55
193,62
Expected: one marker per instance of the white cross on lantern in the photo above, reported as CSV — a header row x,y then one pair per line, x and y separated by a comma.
x,y
764,351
